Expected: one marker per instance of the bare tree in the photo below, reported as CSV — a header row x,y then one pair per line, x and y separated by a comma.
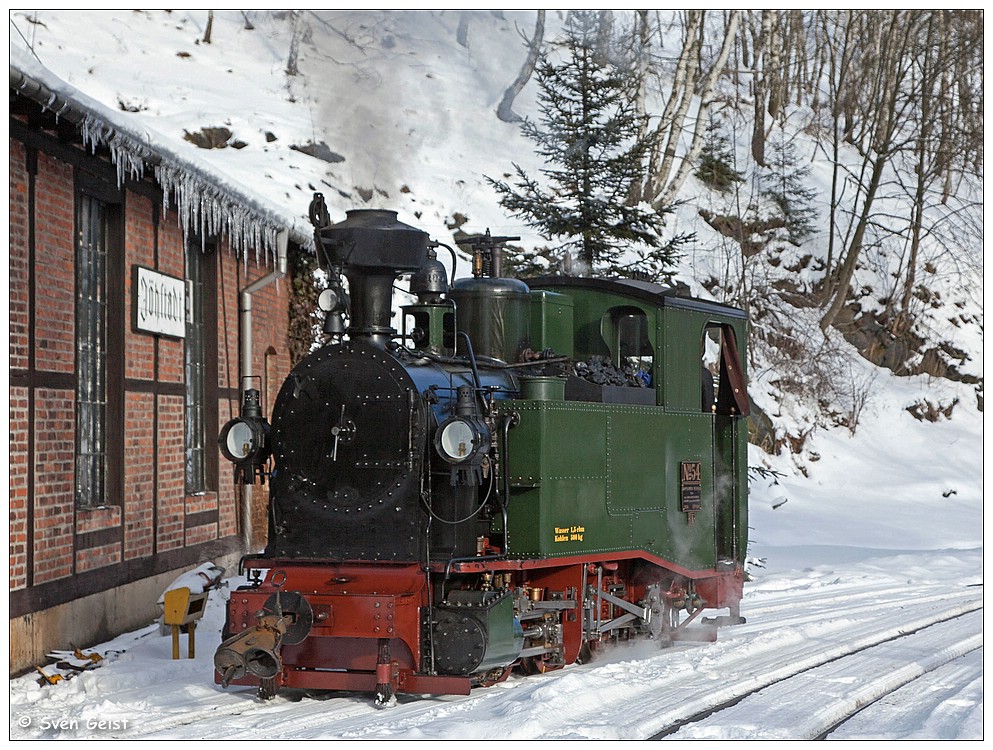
x,y
662,154
505,110
641,43
878,131
666,193
838,51
210,27
943,135
763,43
928,149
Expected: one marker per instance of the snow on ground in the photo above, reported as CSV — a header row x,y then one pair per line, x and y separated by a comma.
x,y
896,484
896,507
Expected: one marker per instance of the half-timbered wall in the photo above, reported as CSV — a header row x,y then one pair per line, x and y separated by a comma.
x,y
88,559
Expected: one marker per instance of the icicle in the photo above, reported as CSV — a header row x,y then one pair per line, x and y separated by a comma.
x,y
201,207
127,154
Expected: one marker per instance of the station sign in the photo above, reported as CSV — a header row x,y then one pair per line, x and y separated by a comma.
x,y
159,303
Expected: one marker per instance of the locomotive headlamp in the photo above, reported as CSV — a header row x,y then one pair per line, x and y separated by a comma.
x,y
464,443
332,299
244,440
462,440
240,439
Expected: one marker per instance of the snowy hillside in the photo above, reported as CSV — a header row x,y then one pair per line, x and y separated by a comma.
x,y
397,110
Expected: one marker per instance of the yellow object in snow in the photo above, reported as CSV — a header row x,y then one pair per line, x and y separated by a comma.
x,y
183,608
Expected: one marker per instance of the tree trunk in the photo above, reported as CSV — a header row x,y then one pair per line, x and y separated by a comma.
x,y
642,42
605,34
210,27
291,62
774,70
838,55
847,269
505,111
668,196
671,122
932,142
759,92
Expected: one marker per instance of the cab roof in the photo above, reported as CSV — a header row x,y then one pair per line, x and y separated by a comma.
x,y
645,291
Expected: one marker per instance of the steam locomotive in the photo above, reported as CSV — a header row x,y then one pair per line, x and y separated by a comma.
x,y
526,472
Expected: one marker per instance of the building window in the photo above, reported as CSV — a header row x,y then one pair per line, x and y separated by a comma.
x,y
91,352
195,366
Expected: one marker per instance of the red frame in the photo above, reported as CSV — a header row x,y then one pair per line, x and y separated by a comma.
x,y
358,605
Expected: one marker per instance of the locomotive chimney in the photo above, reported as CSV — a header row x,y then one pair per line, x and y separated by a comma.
x,y
372,248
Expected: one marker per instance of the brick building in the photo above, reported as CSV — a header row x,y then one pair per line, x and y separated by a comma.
x,y
125,358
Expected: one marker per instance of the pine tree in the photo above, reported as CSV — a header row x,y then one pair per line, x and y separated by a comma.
x,y
716,159
589,138
782,182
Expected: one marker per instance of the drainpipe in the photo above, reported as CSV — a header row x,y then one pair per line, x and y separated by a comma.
x,y
245,356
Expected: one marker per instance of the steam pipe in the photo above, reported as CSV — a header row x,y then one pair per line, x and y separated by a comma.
x,y
454,258
245,357
472,361
509,420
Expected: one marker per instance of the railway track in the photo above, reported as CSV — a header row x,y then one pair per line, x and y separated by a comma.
x,y
820,698
781,675
947,702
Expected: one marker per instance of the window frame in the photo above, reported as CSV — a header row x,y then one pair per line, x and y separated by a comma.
x,y
96,199
199,367
90,336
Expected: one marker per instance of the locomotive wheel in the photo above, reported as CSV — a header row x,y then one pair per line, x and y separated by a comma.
x,y
544,666
537,665
585,653
526,666
495,676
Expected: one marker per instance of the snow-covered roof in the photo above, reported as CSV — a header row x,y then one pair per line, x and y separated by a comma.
x,y
207,201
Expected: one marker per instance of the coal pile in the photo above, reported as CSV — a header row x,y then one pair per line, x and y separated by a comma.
x,y
600,370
